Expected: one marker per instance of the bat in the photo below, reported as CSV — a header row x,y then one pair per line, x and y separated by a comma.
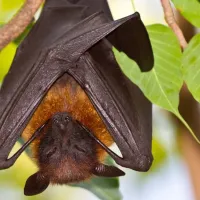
x,y
67,95
66,64
66,153
78,104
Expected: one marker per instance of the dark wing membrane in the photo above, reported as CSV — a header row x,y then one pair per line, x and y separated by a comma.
x,y
19,103
56,19
122,106
95,6
132,38
51,25
39,63
53,22
129,109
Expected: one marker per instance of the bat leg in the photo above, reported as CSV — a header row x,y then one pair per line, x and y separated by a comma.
x,y
107,171
136,162
8,162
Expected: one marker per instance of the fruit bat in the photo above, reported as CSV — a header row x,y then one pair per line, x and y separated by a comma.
x,y
66,65
66,138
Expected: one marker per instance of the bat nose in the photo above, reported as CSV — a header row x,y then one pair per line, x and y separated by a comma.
x,y
62,126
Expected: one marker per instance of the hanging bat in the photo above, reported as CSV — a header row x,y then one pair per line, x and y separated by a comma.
x,y
66,64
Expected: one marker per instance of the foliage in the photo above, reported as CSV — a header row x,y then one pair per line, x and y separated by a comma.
x,y
163,83
6,57
8,9
189,9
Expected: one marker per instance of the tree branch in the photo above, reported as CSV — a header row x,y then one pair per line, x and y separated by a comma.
x,y
18,24
170,19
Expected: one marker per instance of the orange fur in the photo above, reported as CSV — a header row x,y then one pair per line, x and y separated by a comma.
x,y
67,96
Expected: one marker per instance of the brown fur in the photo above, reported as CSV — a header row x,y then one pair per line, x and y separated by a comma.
x,y
67,96
68,171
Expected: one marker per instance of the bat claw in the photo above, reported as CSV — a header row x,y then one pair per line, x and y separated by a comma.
x,y
107,171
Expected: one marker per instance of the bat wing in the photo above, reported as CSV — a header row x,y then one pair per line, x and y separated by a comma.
x,y
135,43
23,68
122,106
134,34
69,51
94,6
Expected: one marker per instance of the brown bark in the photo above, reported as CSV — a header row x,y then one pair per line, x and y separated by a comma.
x,y
171,21
20,21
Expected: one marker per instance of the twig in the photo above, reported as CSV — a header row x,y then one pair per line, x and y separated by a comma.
x,y
133,5
18,24
170,19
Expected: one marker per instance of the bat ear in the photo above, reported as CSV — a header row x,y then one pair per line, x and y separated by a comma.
x,y
107,171
35,184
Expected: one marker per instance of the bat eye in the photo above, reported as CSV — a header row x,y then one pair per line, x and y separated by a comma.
x,y
55,120
66,119
79,149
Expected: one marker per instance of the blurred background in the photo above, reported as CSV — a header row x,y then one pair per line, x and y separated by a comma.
x,y
174,174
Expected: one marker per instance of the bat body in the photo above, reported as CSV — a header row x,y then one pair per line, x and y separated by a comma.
x,y
66,64
66,95
66,154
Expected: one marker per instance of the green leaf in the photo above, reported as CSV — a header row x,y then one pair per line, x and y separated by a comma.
x,y
159,152
191,66
190,9
163,83
6,57
8,9
6,5
104,188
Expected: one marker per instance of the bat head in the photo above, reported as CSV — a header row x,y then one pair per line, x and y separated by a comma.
x,y
67,154
65,139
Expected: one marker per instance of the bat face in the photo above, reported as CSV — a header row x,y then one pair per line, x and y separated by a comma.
x,y
65,138
66,154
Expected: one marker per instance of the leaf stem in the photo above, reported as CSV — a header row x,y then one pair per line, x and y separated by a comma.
x,y
170,19
187,126
133,5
